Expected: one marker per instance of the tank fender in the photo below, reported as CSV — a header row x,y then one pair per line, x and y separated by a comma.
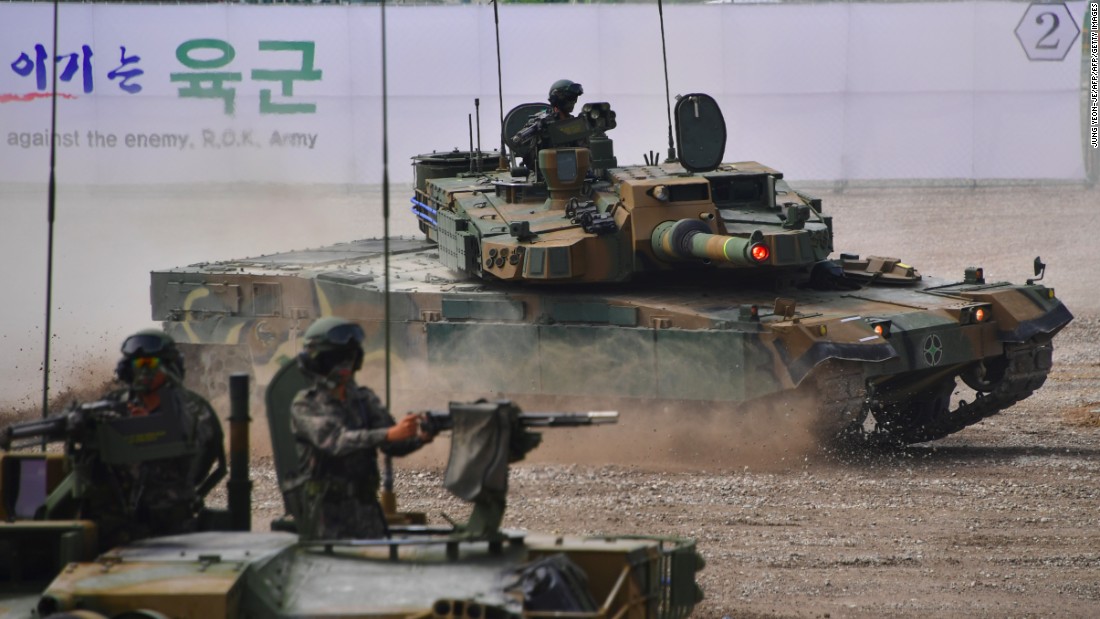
x,y
821,352
803,345
1046,325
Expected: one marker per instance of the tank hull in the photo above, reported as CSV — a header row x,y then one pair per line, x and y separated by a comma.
x,y
688,339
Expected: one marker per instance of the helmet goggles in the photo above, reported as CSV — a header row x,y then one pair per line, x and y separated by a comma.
x,y
146,362
572,91
143,344
342,335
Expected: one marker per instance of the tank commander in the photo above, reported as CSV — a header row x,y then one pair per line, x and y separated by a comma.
x,y
339,427
159,496
534,136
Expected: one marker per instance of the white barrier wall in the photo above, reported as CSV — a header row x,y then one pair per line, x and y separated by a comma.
x,y
228,93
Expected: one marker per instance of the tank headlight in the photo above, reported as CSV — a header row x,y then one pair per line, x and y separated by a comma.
x,y
881,328
661,193
821,329
975,314
760,252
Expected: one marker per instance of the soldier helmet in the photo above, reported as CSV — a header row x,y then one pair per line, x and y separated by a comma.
x,y
150,343
330,341
564,93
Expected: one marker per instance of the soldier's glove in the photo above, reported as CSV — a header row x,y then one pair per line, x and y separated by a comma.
x,y
405,429
424,430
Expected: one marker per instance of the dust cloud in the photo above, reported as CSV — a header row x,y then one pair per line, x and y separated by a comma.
x,y
652,433
108,239
670,436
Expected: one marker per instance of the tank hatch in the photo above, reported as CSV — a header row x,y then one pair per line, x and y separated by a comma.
x,y
700,132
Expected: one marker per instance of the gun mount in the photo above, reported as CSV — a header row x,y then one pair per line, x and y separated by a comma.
x,y
105,429
486,437
531,127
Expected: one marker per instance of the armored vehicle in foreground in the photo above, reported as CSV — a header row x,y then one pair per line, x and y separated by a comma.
x,y
688,283
50,566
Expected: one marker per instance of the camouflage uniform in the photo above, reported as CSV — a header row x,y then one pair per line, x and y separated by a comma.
x,y
336,491
156,497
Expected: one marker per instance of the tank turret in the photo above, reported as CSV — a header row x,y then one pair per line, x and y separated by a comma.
x,y
579,218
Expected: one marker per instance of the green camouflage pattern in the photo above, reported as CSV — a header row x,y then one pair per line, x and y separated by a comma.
x,y
338,479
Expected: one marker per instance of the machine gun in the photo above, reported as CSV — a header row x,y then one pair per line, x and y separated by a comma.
x,y
434,422
527,137
486,437
543,130
104,432
105,428
74,423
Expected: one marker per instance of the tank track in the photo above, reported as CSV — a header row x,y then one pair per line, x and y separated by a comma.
x,y
841,393
1026,369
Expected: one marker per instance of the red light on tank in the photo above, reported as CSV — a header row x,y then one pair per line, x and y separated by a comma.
x,y
760,252
879,329
979,314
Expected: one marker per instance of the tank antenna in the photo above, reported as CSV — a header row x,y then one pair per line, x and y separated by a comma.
x,y
668,95
477,118
388,500
51,201
502,163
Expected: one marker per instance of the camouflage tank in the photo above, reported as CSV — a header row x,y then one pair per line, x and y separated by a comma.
x,y
688,283
477,570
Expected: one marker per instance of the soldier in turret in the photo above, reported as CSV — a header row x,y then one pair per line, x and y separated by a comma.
x,y
339,427
534,135
157,496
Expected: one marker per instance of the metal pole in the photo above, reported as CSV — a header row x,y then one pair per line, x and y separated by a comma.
x,y
388,498
502,162
239,486
51,200
668,95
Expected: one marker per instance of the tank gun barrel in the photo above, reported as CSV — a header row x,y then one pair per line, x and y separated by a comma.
x,y
689,239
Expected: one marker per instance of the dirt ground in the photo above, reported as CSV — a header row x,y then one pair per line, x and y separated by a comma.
x,y
999,520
